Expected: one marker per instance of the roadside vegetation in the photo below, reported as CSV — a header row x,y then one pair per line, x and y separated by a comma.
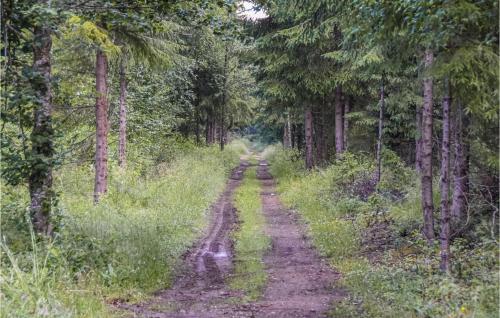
x,y
123,248
118,121
372,236
250,240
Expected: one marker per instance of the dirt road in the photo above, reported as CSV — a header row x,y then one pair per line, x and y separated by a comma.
x,y
299,284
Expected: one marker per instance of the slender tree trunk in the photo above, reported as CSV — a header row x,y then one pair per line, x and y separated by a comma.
x,y
122,144
101,111
460,167
445,183
418,141
198,122
339,122
347,109
207,131
380,132
309,137
215,131
221,130
42,151
317,136
224,97
324,132
287,134
426,150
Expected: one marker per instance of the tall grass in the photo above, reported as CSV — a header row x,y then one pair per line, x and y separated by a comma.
x,y
124,247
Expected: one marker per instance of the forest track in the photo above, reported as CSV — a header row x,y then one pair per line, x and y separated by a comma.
x,y
300,283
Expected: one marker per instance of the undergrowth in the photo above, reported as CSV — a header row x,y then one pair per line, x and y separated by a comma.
x,y
125,247
250,240
371,234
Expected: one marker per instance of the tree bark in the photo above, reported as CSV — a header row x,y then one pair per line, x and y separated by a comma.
x,y
101,111
445,183
317,135
426,152
287,134
460,167
380,132
42,151
207,131
309,137
347,109
224,97
339,122
122,144
300,136
197,121
324,132
418,141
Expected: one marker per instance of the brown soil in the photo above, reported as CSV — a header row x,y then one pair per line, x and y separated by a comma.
x,y
300,283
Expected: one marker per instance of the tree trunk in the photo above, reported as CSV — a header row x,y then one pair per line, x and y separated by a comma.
x,y
221,130
445,183
380,132
197,122
347,109
42,152
287,134
207,131
317,136
418,141
460,167
122,158
309,137
324,131
101,111
426,152
224,97
215,131
339,122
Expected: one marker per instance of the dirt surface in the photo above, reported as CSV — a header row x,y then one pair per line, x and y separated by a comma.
x,y
299,283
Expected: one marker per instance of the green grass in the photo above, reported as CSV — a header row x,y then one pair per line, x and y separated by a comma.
x,y
125,247
250,240
405,281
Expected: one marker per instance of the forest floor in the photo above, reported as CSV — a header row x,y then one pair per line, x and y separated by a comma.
x,y
299,282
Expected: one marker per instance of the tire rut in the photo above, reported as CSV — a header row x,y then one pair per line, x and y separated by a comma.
x,y
205,267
